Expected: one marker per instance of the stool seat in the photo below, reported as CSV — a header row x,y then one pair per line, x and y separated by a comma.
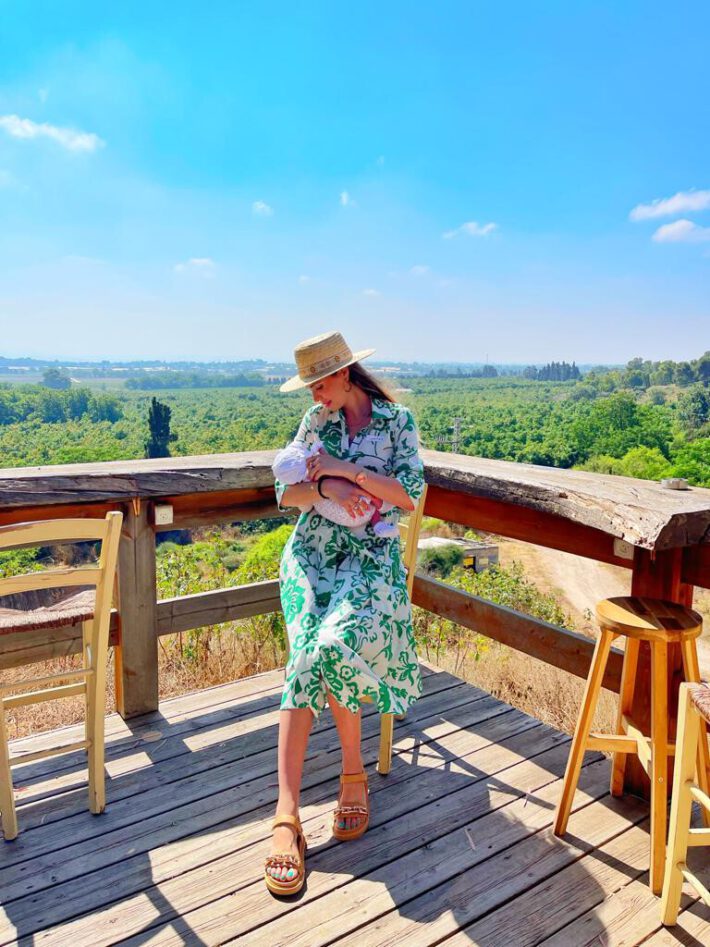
x,y
46,608
649,619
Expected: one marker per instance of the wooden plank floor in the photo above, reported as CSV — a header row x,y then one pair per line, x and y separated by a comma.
x,y
459,850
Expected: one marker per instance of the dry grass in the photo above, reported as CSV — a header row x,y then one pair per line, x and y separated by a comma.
x,y
545,692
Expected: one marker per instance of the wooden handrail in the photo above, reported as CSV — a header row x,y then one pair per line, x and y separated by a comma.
x,y
662,537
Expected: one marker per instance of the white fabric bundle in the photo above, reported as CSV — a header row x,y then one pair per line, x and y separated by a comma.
x,y
289,467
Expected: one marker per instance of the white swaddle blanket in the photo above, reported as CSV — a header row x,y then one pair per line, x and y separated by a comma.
x,y
289,467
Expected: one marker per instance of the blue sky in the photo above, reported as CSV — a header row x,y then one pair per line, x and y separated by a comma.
x,y
448,181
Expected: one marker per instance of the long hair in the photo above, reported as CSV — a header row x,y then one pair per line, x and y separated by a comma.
x,y
370,383
375,388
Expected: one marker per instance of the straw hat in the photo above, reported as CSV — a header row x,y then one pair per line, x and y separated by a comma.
x,y
320,356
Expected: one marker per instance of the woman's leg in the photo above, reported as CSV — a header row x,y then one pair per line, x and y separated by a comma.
x,y
294,728
348,725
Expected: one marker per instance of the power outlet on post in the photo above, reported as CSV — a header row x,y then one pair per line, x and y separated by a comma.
x,y
623,550
163,514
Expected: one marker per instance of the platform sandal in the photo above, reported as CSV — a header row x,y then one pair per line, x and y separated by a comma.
x,y
288,860
342,812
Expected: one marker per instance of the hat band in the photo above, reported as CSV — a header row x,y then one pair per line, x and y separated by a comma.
x,y
324,364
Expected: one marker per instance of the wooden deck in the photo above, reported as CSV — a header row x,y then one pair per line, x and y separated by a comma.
x,y
459,850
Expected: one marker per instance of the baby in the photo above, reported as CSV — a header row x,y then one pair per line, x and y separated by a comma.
x,y
290,467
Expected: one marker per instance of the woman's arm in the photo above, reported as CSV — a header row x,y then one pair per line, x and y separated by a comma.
x,y
300,494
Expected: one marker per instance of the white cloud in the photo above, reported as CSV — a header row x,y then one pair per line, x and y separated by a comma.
x,y
419,270
682,231
68,138
346,200
197,264
681,203
472,229
371,292
262,209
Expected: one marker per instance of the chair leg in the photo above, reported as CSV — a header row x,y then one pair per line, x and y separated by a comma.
x,y
626,699
96,652
7,796
584,725
681,807
659,762
386,736
691,669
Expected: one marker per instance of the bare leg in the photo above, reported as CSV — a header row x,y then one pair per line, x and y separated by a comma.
x,y
348,725
294,728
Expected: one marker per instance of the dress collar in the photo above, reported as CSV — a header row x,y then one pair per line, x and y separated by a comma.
x,y
381,408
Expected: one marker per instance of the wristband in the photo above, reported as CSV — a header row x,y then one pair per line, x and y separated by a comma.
x,y
320,481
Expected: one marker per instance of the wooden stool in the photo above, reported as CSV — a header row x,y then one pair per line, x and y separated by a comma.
x,y
661,624
693,709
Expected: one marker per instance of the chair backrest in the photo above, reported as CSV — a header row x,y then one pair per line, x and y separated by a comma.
x,y
50,532
409,533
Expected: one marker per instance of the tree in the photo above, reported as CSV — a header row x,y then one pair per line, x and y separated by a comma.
x,y
54,378
159,425
694,409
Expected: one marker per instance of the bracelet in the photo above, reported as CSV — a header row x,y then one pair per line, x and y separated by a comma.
x,y
320,481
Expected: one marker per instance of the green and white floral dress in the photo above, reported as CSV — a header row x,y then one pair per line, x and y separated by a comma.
x,y
343,589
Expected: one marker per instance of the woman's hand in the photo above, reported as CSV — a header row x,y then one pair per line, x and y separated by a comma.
x,y
323,465
352,498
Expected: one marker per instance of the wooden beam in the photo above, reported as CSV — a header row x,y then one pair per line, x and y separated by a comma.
x,y
563,649
638,511
214,608
518,522
183,613
137,649
655,575
227,506
696,566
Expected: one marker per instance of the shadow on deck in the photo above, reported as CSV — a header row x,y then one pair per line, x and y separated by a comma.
x,y
459,851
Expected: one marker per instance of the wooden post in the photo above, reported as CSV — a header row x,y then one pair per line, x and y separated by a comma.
x,y
656,575
137,650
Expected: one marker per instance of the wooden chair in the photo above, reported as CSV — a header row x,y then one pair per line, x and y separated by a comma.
x,y
409,534
660,624
693,717
53,599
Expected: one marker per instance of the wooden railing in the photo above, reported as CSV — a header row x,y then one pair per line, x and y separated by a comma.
x,y
662,537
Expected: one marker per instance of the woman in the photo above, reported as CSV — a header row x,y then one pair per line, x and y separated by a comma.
x,y
343,590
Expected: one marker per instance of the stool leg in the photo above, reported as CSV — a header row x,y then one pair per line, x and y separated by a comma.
x,y
386,737
584,725
681,807
626,700
659,762
691,669
7,797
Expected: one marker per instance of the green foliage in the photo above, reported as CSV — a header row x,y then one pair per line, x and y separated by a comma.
x,y
694,409
440,561
18,562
